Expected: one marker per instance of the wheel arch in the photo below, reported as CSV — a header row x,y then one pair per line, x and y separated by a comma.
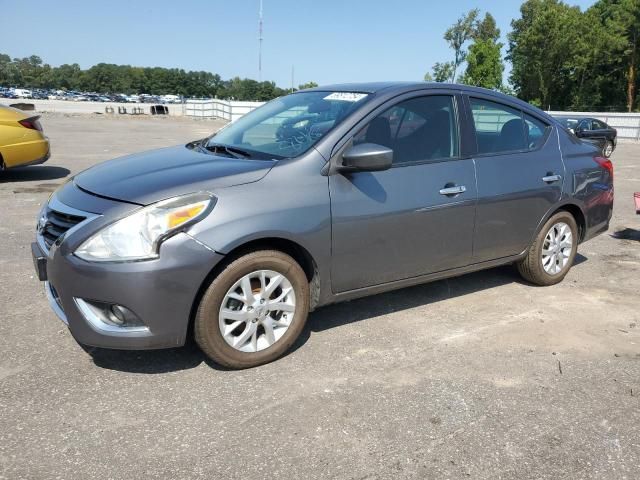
x,y
296,251
576,212
578,215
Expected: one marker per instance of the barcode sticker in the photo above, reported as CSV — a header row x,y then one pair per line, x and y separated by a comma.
x,y
345,96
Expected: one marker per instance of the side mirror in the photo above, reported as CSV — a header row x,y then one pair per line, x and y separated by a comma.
x,y
366,157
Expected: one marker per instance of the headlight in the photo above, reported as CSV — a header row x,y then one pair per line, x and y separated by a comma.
x,y
138,236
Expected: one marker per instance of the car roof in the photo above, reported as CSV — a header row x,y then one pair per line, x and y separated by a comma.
x,y
574,117
402,87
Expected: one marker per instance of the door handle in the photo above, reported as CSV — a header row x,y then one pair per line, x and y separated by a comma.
x,y
551,178
453,190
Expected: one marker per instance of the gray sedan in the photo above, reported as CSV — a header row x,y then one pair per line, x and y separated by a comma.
x,y
317,197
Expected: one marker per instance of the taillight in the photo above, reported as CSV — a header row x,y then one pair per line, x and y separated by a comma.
x,y
31,123
605,163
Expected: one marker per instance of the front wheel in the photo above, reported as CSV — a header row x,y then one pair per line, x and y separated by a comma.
x,y
253,310
552,253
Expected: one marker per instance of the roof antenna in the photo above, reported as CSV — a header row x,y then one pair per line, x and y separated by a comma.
x,y
260,44
292,70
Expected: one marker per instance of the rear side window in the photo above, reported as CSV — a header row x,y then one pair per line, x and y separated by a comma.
x,y
536,132
499,128
598,125
585,125
417,130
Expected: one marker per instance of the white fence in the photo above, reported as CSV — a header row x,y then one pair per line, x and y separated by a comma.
x,y
230,110
627,124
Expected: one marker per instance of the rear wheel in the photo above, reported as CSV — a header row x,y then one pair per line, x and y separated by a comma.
x,y
253,310
552,253
608,149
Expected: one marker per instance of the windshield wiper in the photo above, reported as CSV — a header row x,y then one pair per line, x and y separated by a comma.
x,y
232,151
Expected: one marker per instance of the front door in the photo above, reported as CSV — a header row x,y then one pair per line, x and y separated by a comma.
x,y
415,218
520,174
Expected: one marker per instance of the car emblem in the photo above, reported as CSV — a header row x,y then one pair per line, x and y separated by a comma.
x,y
42,224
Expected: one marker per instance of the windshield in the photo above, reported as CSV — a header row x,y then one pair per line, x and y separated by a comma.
x,y
568,122
287,126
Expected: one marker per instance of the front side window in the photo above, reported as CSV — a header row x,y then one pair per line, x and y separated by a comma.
x,y
418,129
287,126
499,128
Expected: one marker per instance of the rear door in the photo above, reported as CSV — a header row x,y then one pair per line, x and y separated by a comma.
x,y
520,174
418,216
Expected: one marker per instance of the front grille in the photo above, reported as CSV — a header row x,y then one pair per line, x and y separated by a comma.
x,y
56,225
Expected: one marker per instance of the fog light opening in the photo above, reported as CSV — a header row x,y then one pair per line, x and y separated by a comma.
x,y
116,316
109,315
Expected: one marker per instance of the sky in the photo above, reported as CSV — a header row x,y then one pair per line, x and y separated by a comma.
x,y
328,41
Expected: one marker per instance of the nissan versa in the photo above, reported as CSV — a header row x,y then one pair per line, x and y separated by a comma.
x,y
317,197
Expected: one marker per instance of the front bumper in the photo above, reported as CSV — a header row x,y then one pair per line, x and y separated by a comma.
x,y
161,292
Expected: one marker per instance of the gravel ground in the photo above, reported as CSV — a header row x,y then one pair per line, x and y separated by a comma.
x,y
480,376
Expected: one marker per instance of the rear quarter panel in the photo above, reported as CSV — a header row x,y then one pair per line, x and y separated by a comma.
x,y
587,184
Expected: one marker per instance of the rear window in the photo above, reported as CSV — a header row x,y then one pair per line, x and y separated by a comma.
x,y
536,131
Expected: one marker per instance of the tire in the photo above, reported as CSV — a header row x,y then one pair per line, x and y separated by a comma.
x,y
608,149
531,267
265,345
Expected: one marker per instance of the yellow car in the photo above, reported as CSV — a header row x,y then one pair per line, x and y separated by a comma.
x,y
21,139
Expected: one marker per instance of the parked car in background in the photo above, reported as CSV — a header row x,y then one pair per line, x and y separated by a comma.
x,y
22,93
236,237
22,141
593,131
170,99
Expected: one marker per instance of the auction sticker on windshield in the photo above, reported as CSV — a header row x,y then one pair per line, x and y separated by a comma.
x,y
345,96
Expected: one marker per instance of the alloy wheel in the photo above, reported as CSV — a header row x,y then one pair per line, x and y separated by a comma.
x,y
557,248
257,310
608,149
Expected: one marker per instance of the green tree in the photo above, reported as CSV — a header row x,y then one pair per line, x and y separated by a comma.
x,y
486,29
484,59
542,51
110,78
619,22
307,85
10,74
457,35
66,77
484,65
442,72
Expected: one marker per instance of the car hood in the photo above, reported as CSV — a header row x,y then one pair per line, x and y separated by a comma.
x,y
148,177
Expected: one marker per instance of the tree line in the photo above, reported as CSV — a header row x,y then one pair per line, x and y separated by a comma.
x,y
31,72
561,57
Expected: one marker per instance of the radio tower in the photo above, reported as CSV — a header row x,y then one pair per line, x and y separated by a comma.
x,y
260,44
